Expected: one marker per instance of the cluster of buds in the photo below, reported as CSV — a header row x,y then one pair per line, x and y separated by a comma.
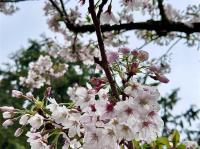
x,y
128,63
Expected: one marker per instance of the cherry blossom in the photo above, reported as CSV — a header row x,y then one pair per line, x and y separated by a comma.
x,y
108,18
24,119
95,116
39,72
37,141
36,121
134,4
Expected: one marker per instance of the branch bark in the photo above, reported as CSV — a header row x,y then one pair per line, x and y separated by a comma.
x,y
162,11
158,26
149,25
104,62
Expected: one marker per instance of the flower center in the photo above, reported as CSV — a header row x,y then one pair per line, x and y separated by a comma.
x,y
129,111
109,107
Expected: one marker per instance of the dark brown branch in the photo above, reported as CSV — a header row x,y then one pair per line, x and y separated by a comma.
x,y
158,26
162,11
150,25
163,26
63,8
104,62
101,8
130,145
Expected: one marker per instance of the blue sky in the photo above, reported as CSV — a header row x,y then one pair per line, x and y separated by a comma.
x,y
29,23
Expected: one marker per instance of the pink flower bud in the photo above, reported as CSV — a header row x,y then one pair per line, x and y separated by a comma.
x,y
7,115
18,132
154,69
29,95
16,94
162,78
7,123
135,53
24,119
134,67
124,50
112,57
7,109
47,92
82,2
143,55
96,81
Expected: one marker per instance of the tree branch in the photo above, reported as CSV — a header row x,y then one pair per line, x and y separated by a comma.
x,y
130,145
104,62
101,8
150,25
162,11
63,8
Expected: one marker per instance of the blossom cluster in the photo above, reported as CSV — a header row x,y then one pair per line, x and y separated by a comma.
x,y
83,54
128,63
41,71
94,118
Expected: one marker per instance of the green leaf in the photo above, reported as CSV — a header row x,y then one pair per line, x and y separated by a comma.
x,y
88,19
122,147
181,146
175,138
163,141
136,144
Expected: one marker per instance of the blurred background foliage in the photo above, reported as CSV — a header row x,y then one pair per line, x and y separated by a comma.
x,y
11,72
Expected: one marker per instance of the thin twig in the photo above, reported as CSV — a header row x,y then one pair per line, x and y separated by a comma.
x,y
101,8
103,62
160,58
63,8
168,50
148,42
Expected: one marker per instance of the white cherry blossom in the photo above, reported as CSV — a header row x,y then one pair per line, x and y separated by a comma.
x,y
108,18
24,119
36,121
37,141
